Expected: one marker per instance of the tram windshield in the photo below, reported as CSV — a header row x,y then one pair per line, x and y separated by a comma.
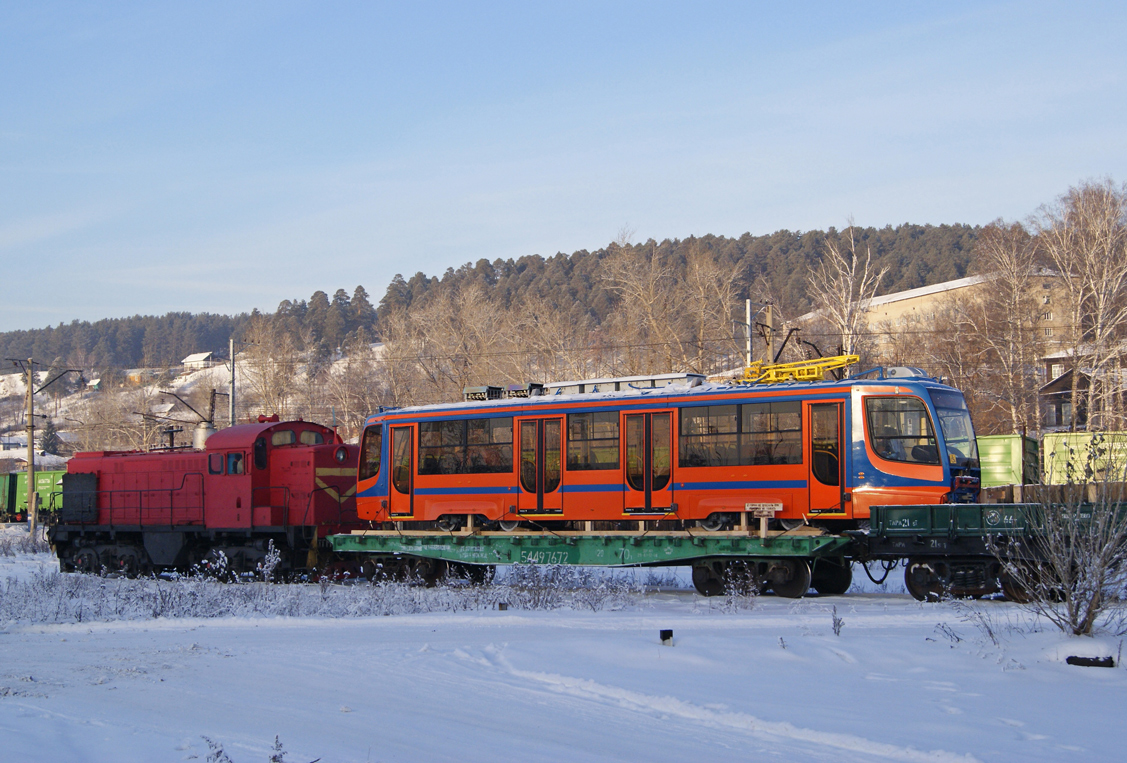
x,y
958,431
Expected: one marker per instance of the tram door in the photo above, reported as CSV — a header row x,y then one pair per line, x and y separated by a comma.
x,y
649,462
540,466
401,494
827,460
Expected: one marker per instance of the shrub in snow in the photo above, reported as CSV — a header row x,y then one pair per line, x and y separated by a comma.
x,y
1078,584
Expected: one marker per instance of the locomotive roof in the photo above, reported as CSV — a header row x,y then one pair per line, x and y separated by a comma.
x,y
681,392
244,435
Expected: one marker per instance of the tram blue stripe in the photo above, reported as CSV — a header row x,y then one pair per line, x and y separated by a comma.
x,y
740,485
465,490
592,488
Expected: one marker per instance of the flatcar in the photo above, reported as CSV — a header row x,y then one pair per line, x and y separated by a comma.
x,y
270,484
696,456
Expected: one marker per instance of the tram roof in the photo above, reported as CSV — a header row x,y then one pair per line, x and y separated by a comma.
x,y
680,392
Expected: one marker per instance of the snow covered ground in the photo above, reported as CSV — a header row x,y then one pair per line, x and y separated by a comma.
x,y
762,679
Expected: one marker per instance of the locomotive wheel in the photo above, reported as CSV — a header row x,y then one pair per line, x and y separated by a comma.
x,y
798,583
922,582
830,578
707,582
86,560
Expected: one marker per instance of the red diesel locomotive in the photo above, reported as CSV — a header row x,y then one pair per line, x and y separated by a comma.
x,y
708,456
286,483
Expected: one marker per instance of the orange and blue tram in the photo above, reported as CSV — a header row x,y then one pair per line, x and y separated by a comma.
x,y
675,457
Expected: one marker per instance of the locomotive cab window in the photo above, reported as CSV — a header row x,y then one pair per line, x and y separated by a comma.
x,y
215,463
235,463
370,450
283,437
260,453
900,430
312,438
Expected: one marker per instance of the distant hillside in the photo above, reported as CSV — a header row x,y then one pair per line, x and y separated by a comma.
x,y
775,266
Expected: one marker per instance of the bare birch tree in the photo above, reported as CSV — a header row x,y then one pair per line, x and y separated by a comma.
x,y
1085,235
1002,315
843,283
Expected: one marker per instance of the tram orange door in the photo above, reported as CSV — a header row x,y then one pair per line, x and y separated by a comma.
x,y
541,466
827,455
649,462
401,496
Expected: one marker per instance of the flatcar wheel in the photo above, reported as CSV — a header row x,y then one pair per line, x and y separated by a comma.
x,y
922,582
707,582
799,582
508,525
1015,591
481,574
830,577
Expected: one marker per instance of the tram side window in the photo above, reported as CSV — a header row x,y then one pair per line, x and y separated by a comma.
x,y
772,433
370,450
741,435
466,446
900,430
710,436
592,441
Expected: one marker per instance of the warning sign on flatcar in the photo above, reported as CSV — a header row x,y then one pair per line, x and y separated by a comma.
x,y
763,509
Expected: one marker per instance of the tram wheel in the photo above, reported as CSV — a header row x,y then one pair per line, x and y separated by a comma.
x,y
450,522
508,525
707,582
713,522
798,583
831,577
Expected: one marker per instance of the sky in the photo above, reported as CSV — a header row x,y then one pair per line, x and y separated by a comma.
x,y
220,157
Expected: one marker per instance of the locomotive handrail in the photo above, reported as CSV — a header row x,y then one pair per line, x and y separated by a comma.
x,y
140,508
285,507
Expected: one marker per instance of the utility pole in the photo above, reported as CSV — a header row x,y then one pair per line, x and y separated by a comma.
x,y
32,495
770,318
748,324
231,397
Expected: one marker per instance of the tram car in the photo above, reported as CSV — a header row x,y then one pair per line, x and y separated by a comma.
x,y
285,485
696,455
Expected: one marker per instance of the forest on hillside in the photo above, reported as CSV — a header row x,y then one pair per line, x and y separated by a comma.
x,y
766,268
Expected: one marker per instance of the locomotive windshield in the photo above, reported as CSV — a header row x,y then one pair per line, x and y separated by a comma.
x,y
958,431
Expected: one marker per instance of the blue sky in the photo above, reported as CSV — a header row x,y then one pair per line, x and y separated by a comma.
x,y
221,157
